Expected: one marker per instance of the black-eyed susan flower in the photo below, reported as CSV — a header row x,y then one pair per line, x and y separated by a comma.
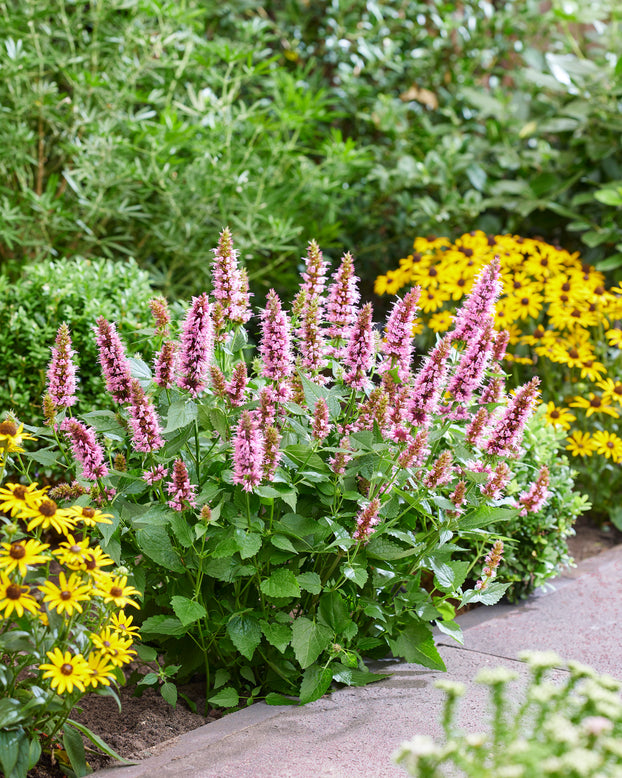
x,y
66,671
89,515
592,369
594,403
101,670
15,598
608,445
558,416
122,623
116,589
441,321
47,514
116,648
94,560
612,390
580,444
71,552
16,498
22,553
525,306
12,435
68,596
614,337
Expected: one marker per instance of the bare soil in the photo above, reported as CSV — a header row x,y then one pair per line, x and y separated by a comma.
x,y
148,720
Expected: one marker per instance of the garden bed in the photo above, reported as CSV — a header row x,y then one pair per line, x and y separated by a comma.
x,y
147,721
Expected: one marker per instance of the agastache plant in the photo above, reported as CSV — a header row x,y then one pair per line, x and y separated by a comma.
x,y
61,374
280,509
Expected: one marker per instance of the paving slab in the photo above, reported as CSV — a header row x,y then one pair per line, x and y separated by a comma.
x,y
353,732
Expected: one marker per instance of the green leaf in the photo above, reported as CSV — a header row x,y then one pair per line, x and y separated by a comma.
x,y
155,543
218,420
146,653
485,515
221,677
310,582
162,625
351,676
452,629
45,457
225,698
273,698
416,644
609,196
180,414
10,712
333,611
187,611
72,740
488,596
181,529
245,633
168,691
611,263
9,752
282,583
316,681
248,543
355,573
309,640
448,576
99,742
283,543
278,635
380,547
140,371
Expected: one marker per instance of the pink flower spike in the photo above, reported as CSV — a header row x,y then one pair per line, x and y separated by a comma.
x,y
248,453
230,283
501,343
311,343
491,564
536,496
62,371
314,279
161,315
165,365
343,297
441,471
472,366
272,455
497,481
429,383
397,346
86,449
180,489
146,431
507,434
236,388
321,426
196,346
366,521
478,309
155,474
275,346
114,363
360,350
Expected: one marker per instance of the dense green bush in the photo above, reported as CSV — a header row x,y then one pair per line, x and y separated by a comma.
x,y
53,292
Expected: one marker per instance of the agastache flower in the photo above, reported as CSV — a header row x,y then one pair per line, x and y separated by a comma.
x,y
196,346
248,453
493,392
311,341
219,383
507,434
500,345
360,350
458,496
416,451
314,279
161,315
165,365
275,345
441,471
155,474
497,481
230,283
114,363
374,409
267,411
86,449
536,496
476,427
472,366
398,335
339,461
146,431
491,564
61,373
366,521
321,426
429,383
271,457
478,309
180,489
343,297
237,386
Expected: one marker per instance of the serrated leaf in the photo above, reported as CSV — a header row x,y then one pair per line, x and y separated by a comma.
x,y
283,543
355,573
180,414
146,653
316,681
380,547
248,543
273,698
218,420
221,677
187,611
140,371
309,640
282,583
278,635
452,629
310,582
245,632
45,457
351,676
488,596
225,698
416,644
485,515
182,530
155,543
162,625
168,691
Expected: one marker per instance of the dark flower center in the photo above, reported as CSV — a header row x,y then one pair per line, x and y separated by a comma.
x,y
75,549
17,551
599,290
88,512
66,669
575,313
48,508
8,427
116,591
65,595
617,389
461,281
610,444
573,353
524,301
538,332
20,492
595,402
107,643
90,563
566,286
518,285
14,592
432,272
555,414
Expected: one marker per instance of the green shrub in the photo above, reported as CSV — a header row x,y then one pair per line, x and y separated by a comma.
x,y
49,293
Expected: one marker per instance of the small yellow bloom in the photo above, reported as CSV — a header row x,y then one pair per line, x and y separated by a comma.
x,y
122,624
441,321
558,416
608,445
614,337
15,598
68,596
66,671
71,552
16,498
47,514
594,403
12,435
114,646
88,515
21,553
116,590
101,671
612,390
580,444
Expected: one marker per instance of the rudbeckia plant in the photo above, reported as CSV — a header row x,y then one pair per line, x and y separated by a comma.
x,y
293,507
562,322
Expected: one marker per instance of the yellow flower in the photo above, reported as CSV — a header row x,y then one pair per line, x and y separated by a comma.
x,y
614,337
608,444
432,298
12,435
20,554
580,444
592,370
612,390
594,403
15,498
88,515
525,306
66,671
47,514
116,590
122,624
93,561
116,648
101,671
68,596
558,416
15,598
441,321
71,552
